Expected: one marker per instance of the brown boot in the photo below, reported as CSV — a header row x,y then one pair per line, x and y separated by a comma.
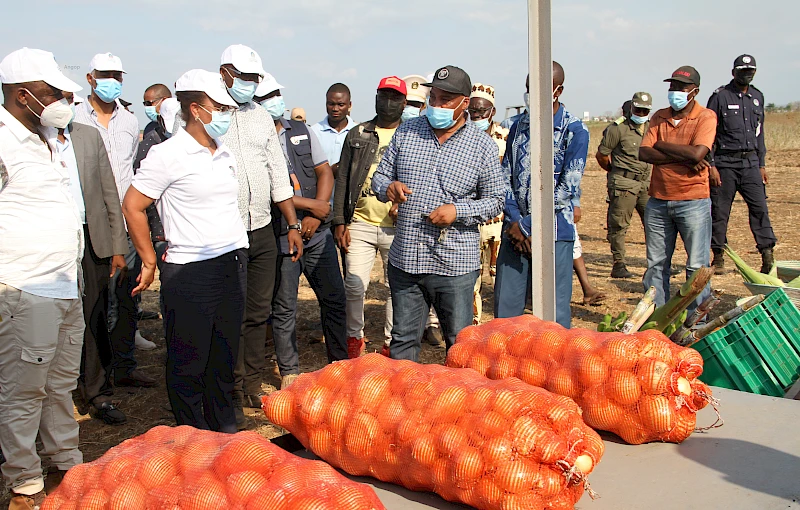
x,y
53,480
23,502
719,262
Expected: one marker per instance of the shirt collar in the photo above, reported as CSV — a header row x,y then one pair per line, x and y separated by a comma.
x,y
192,146
16,127
93,112
558,118
735,89
327,127
286,124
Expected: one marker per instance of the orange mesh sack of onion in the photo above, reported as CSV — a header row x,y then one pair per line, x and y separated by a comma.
x,y
489,444
183,468
642,387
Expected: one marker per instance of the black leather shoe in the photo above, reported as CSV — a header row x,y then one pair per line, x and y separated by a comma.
x,y
146,315
107,412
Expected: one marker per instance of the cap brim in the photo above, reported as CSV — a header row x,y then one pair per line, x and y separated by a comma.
x,y
110,70
222,97
747,66
62,83
637,105
681,79
446,87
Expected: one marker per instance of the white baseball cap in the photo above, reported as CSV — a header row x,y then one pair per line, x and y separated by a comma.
x,y
27,65
267,85
199,80
243,58
76,99
106,62
169,109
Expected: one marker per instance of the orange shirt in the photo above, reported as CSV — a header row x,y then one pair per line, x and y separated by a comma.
x,y
677,181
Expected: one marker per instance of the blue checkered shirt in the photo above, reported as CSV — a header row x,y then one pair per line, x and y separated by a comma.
x,y
465,171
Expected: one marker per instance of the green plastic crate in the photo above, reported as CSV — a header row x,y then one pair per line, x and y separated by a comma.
x,y
785,315
730,361
759,352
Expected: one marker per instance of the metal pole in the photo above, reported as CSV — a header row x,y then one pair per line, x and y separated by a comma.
x,y
541,156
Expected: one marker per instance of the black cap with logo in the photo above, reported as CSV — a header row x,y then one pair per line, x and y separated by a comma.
x,y
744,62
685,74
451,79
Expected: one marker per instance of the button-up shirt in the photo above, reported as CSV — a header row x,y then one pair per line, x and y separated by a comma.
x,y
67,153
121,139
41,238
464,171
740,126
570,147
332,141
262,173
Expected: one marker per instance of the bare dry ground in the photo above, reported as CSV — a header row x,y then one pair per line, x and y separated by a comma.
x,y
146,408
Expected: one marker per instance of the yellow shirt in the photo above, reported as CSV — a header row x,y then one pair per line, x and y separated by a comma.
x,y
368,208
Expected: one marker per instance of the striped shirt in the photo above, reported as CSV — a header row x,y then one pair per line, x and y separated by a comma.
x,y
465,171
262,173
121,139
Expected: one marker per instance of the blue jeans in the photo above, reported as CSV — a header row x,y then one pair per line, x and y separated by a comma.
x,y
412,297
513,282
320,264
664,220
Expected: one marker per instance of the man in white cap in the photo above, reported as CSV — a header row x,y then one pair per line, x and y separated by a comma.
x,y
41,314
416,96
263,183
482,111
120,131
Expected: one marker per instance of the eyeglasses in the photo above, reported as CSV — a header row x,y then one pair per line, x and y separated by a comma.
x,y
153,102
221,109
235,73
479,113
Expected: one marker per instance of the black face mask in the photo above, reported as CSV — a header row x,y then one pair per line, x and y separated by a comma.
x,y
389,110
744,77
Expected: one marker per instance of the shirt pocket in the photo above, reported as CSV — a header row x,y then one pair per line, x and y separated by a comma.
x,y
9,301
460,182
303,152
732,121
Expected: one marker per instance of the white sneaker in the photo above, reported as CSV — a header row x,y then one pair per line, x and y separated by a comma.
x,y
142,343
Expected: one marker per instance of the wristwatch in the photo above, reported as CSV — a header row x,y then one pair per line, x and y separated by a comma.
x,y
297,226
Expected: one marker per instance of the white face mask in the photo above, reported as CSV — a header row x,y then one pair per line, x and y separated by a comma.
x,y
57,114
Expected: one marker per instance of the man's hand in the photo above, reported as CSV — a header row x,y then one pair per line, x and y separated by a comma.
x,y
145,278
295,244
701,165
764,176
397,191
515,234
443,216
342,236
117,262
576,214
309,226
524,247
713,177
393,213
320,209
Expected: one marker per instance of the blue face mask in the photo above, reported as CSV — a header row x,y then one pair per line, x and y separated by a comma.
x,y
151,113
108,89
440,118
638,120
482,124
409,112
275,106
678,99
220,122
242,91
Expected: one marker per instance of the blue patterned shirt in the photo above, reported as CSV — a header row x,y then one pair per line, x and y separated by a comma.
x,y
464,171
570,147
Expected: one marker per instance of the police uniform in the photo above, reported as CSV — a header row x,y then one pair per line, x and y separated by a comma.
x,y
628,179
738,154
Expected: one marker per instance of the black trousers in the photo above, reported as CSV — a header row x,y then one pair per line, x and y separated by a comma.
x,y
204,303
261,259
94,382
747,181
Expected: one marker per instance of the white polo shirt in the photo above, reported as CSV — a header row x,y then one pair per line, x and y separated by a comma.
x,y
197,195
41,237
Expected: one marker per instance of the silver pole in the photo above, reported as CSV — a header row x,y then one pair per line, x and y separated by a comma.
x,y
541,152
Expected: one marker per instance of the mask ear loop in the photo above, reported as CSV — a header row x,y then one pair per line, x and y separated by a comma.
x,y
37,100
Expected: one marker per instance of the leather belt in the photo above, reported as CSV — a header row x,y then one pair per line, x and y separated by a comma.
x,y
735,154
494,220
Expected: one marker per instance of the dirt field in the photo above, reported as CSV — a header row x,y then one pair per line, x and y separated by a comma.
x,y
146,408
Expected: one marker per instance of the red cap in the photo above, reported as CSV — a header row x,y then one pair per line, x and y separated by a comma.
x,y
394,83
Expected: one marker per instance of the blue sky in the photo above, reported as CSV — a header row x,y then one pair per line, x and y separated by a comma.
x,y
609,49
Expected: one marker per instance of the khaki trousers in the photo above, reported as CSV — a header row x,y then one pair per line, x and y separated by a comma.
x,y
40,356
491,235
